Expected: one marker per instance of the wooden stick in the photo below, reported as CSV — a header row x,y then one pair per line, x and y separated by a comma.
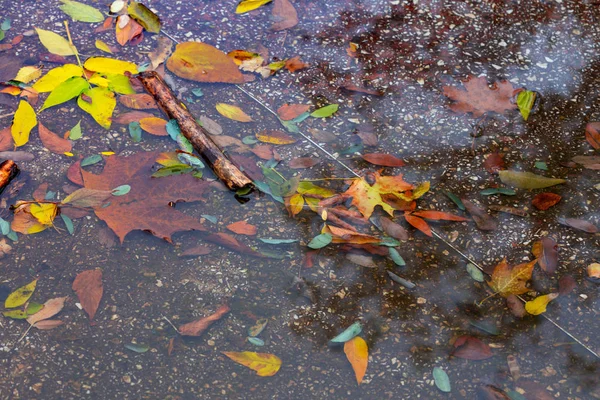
x,y
8,170
225,170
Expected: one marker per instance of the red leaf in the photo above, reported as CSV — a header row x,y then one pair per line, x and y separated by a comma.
x,y
494,162
6,140
284,15
592,134
385,160
579,224
242,228
288,112
471,348
52,141
438,215
544,201
303,162
89,289
294,64
418,223
198,327
74,173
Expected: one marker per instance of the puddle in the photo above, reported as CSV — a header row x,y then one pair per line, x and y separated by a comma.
x,y
409,51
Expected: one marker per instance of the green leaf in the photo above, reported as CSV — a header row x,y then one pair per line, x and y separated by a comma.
x,y
527,180
184,144
456,200
6,23
81,12
65,91
396,257
172,170
93,159
441,380
541,165
33,307
486,327
525,102
475,272
249,140
138,348
55,43
325,112
135,131
491,191
197,92
173,129
277,241
121,190
353,330
68,223
119,83
320,241
4,226
102,105
75,132
144,16
256,341
20,296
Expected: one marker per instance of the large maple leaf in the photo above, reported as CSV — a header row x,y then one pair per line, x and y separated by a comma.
x,y
507,280
146,206
479,97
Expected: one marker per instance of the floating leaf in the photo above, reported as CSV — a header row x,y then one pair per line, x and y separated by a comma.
x,y
325,112
491,191
52,141
578,224
320,241
138,101
121,190
89,289
277,241
484,221
284,15
357,352
456,200
137,347
263,363
20,296
202,62
101,107
51,308
525,101
544,201
538,305
106,65
258,327
438,215
144,16
198,327
418,223
440,377
527,180
398,279
65,91
353,330
242,228
23,122
55,43
475,272
541,165
274,137
506,280
48,324
546,251
68,223
245,6
233,112
56,76
366,197
100,45
81,12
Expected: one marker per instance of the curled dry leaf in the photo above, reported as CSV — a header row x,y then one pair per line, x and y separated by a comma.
x,y
89,289
242,228
196,328
385,160
544,201
51,308
471,348
52,141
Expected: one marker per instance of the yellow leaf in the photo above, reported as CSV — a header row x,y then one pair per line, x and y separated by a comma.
x,y
56,76
365,197
245,6
23,122
507,280
102,105
68,154
107,153
100,45
358,354
55,43
27,74
20,296
44,212
263,363
538,305
99,80
296,203
232,112
109,66
275,137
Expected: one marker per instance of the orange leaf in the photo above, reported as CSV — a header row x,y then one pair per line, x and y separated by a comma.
x,y
139,101
385,160
242,228
438,215
198,327
341,235
154,125
507,280
418,223
366,197
592,134
478,98
288,112
52,141
275,137
543,201
294,64
6,139
89,289
358,354
127,29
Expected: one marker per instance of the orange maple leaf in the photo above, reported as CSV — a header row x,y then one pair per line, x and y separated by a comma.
x,y
366,197
479,97
506,280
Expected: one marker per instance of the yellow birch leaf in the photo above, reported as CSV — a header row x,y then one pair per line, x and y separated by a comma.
x,y
101,107
105,65
296,203
20,296
357,353
55,43
23,122
100,45
232,112
538,305
44,212
264,364
56,76
245,6
29,73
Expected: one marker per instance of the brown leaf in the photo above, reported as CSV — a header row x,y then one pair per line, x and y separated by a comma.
x,y
438,215
288,112
484,221
303,162
393,229
106,25
263,151
154,126
368,137
578,224
546,251
589,162
198,327
494,162
210,125
138,101
131,116
534,390
9,66
39,194
164,48
566,284
351,87
49,324
295,64
242,228
74,173
127,30
51,308
385,160
592,134
198,250
52,141
137,210
5,248
6,140
471,348
489,392
478,98
89,289
284,15
516,306
544,201
230,242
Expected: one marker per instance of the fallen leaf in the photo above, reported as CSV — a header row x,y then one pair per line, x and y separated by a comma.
x,y
589,162
478,98
418,223
198,327
5,248
138,101
362,260
101,105
6,140
144,16
274,137
202,62
20,296
566,283
507,280
264,364
154,126
592,134
527,180
198,250
25,222
230,242
326,111
393,229
578,224
48,324
295,64
471,348
55,43
56,76
366,197
538,305
51,308
349,333
24,121
136,210
525,102
441,380
89,289
284,15
164,48
494,162
288,112
232,112
245,6
52,141
438,215
9,66
303,162
242,228
546,251
544,201
484,221
385,160
81,12
100,45
342,235
357,353
516,306
127,30
65,91
28,74
131,116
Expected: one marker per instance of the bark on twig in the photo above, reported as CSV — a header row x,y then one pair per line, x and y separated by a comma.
x,y
225,170
8,170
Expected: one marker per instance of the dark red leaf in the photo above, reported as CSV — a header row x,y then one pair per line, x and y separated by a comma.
x,y
74,173
566,284
516,306
544,201
484,221
471,348
303,162
232,243
592,134
494,162
385,160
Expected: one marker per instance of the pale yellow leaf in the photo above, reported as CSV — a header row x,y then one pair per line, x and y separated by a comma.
x,y
55,43
23,122
101,107
233,112
28,74
100,45
106,65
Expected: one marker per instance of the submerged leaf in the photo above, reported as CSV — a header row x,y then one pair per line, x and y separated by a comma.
x,y
55,43
202,62
320,241
527,180
20,296
144,16
89,289
441,380
357,353
353,330
81,12
263,363
471,348
507,280
538,305
245,6
232,112
101,107
51,308
525,101
23,122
